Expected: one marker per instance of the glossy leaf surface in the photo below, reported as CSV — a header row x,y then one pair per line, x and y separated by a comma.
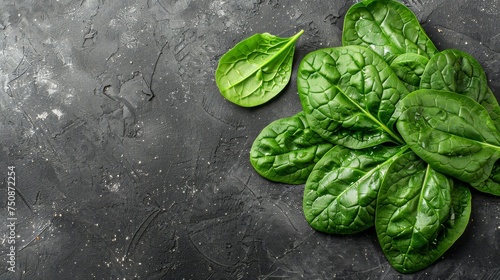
x,y
388,27
349,95
409,67
420,214
492,184
459,72
451,132
287,149
256,69
340,194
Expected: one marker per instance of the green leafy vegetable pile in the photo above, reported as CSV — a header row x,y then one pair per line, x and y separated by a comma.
x,y
393,132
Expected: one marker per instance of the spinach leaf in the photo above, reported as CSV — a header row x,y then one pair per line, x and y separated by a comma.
x,y
420,213
287,149
349,96
256,69
451,132
409,67
341,192
388,27
459,72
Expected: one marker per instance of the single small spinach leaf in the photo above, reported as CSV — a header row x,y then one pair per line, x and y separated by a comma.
x,y
349,95
420,213
459,72
451,132
287,149
409,67
388,27
341,192
256,69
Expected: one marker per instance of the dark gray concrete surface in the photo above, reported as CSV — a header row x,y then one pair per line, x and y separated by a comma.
x,y
130,164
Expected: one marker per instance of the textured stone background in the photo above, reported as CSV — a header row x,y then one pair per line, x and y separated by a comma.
x,y
130,164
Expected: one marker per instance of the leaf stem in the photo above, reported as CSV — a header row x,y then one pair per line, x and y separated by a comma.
x,y
394,136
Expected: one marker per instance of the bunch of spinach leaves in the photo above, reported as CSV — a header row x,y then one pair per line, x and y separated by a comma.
x,y
392,134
